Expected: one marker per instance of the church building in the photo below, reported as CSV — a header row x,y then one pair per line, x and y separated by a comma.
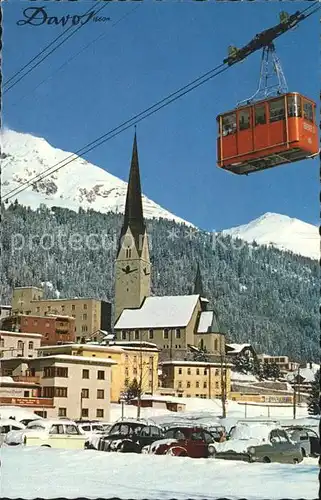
x,y
178,325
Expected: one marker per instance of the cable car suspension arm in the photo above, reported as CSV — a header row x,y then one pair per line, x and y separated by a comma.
x,y
265,38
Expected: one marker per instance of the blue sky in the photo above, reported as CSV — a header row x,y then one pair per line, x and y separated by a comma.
x,y
156,49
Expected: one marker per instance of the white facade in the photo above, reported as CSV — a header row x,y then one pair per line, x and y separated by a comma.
x,y
15,344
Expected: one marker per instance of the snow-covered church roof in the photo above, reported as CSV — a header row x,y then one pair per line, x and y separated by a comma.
x,y
208,323
159,312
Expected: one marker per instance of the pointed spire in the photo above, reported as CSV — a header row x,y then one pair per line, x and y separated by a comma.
x,y
198,284
133,217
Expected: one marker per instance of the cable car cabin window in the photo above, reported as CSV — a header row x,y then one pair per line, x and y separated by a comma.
x,y
294,106
260,115
308,111
277,111
229,124
244,119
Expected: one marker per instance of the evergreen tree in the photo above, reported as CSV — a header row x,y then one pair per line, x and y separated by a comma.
x,y
271,370
314,397
132,391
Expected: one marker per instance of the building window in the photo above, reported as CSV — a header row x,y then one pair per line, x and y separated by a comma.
x,y
30,345
197,384
216,385
1,342
53,371
217,372
197,371
85,393
63,308
38,309
215,345
84,316
84,328
178,333
123,335
35,323
180,384
128,253
62,412
188,385
188,371
60,392
165,333
101,375
100,394
73,307
85,374
84,412
150,334
205,385
99,413
20,344
85,306
136,335
205,371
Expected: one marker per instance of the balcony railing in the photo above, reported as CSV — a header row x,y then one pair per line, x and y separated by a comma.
x,y
32,379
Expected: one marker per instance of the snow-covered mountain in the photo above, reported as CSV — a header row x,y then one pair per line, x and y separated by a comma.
x,y
281,231
79,184
82,184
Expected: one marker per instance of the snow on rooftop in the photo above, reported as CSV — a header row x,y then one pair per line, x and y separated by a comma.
x,y
20,334
68,357
205,321
238,347
160,312
90,347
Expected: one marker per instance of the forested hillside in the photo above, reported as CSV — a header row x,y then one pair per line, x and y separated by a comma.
x,y
263,295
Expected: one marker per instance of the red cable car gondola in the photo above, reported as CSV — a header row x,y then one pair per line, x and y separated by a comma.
x,y
267,132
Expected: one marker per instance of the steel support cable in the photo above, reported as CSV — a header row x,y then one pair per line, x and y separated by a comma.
x,y
120,128
102,35
49,53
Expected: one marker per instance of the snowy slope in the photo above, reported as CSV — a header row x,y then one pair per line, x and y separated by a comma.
x,y
283,232
79,184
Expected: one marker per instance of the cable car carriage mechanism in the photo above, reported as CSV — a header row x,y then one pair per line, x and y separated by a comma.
x,y
271,128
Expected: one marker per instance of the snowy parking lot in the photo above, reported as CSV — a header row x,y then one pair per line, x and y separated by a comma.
x,y
50,473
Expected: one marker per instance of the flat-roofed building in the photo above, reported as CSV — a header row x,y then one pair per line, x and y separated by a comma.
x,y
17,344
70,386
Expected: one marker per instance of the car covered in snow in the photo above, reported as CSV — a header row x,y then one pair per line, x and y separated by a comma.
x,y
49,433
307,439
183,441
88,427
7,425
126,436
257,442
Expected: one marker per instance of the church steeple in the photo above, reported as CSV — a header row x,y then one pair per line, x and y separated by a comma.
x,y
133,217
132,267
198,284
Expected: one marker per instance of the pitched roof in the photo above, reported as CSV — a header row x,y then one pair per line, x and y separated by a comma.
x,y
159,312
209,323
238,347
133,217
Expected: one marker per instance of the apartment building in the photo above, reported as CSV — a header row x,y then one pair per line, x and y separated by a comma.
x,y
21,345
91,315
131,361
5,311
54,329
69,386
196,379
283,362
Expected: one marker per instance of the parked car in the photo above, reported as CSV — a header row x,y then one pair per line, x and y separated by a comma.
x,y
7,425
127,436
88,427
257,442
307,439
49,433
188,441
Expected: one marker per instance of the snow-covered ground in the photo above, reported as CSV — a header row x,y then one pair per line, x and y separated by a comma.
x,y
49,473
